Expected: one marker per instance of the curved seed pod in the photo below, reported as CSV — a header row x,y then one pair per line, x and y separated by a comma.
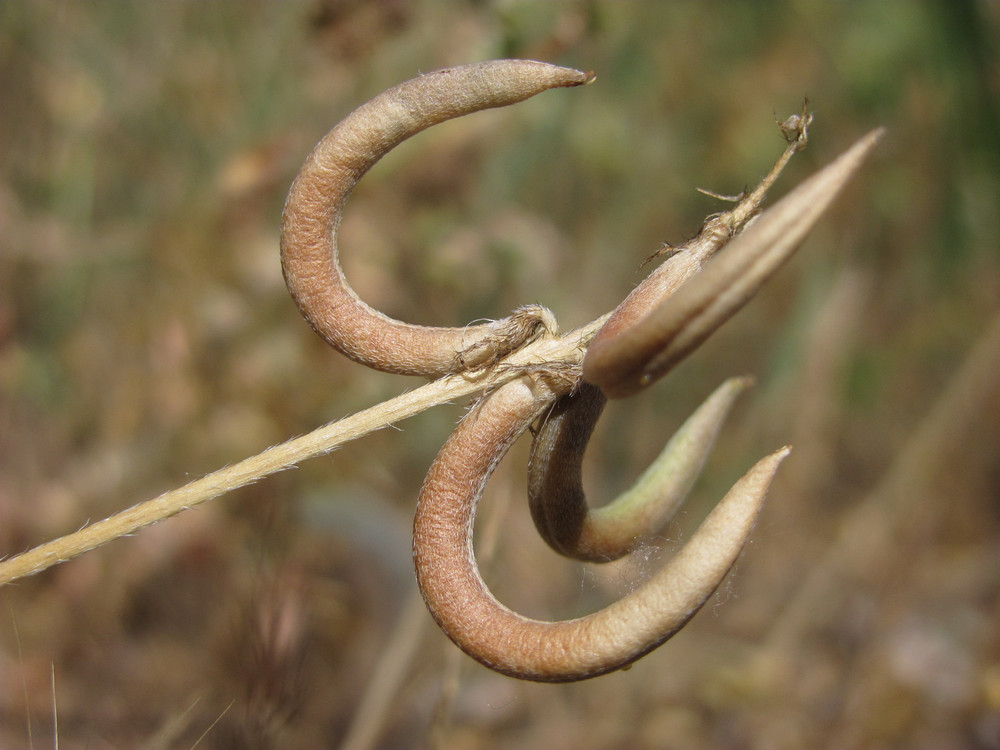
x,y
662,330
573,649
316,200
555,487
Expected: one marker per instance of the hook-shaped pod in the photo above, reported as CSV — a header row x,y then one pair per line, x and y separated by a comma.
x,y
316,200
555,484
568,650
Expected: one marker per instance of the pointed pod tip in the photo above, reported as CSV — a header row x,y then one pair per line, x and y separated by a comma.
x,y
743,382
780,455
877,134
574,77
811,198
861,148
767,467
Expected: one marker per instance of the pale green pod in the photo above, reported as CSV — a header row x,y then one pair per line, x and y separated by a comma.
x,y
555,487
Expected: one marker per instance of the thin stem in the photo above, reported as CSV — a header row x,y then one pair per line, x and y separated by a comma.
x,y
566,351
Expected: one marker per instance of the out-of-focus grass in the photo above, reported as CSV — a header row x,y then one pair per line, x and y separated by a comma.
x,y
146,338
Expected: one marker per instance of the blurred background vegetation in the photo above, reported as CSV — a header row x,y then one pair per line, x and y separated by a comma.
x,y
146,338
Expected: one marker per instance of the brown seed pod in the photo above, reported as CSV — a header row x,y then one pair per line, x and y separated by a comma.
x,y
309,252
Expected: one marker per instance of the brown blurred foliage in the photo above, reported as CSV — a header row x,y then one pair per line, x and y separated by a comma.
x,y
146,338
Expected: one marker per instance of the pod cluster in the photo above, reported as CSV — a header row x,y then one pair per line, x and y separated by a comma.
x,y
687,297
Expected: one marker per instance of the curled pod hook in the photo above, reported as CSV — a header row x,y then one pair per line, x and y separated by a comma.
x,y
569,650
313,209
555,484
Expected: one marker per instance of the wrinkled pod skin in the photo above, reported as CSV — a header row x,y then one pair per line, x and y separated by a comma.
x,y
555,484
316,201
569,650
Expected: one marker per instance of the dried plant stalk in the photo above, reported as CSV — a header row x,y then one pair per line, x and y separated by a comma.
x,y
564,351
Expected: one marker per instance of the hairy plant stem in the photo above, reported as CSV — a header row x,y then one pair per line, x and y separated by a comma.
x,y
564,351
